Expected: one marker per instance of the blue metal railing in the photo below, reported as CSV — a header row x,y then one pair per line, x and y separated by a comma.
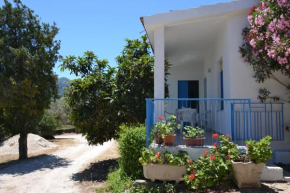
x,y
238,117
267,119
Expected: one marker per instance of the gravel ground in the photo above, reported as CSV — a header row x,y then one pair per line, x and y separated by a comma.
x,y
52,173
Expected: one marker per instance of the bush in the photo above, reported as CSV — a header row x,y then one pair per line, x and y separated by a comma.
x,y
131,142
117,182
48,125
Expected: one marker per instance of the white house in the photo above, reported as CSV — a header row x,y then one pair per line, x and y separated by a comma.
x,y
202,45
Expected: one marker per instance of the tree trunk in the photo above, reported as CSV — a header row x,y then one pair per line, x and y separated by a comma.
x,y
22,146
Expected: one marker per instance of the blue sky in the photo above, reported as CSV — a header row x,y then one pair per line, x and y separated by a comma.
x,y
101,25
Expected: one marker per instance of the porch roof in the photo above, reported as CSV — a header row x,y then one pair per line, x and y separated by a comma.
x,y
190,33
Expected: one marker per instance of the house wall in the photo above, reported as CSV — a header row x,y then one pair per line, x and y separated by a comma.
x,y
242,84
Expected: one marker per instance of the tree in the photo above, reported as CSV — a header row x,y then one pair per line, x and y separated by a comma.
x,y
28,53
104,98
267,44
89,97
135,80
48,125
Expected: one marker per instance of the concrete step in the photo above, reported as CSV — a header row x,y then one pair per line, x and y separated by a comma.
x,y
274,173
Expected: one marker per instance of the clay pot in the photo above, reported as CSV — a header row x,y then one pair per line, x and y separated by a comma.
x,y
164,172
247,175
158,139
194,142
168,139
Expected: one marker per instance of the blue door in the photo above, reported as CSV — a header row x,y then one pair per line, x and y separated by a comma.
x,y
183,93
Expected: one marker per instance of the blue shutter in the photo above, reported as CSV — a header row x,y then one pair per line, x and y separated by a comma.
x,y
222,89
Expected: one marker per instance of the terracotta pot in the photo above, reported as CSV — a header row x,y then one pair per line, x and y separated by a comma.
x,y
247,175
158,139
168,139
194,142
164,172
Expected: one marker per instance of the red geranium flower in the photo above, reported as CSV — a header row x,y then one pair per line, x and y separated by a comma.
x,y
191,177
160,117
215,136
212,157
157,155
229,156
228,136
215,145
190,161
205,153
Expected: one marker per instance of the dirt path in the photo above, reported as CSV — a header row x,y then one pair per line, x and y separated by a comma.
x,y
51,173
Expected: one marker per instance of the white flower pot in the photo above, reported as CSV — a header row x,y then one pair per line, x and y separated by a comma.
x,y
247,175
164,172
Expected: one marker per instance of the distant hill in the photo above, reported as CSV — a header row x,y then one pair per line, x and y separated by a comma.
x,y
62,83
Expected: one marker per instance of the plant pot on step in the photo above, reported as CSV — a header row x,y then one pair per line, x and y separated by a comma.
x,y
158,139
164,172
194,141
168,139
247,175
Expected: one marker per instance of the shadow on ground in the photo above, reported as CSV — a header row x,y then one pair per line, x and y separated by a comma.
x,y
21,167
96,172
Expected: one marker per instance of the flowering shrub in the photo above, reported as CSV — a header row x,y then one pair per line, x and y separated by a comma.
x,y
213,169
266,43
150,156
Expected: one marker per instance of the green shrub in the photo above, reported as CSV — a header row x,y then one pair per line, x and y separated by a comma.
x,y
259,152
48,125
117,182
131,142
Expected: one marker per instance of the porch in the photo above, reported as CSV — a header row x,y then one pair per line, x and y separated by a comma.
x,y
240,118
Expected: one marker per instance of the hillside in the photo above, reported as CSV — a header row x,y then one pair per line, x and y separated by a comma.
x,y
62,83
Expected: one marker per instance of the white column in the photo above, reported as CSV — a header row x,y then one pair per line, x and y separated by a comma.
x,y
159,52
159,73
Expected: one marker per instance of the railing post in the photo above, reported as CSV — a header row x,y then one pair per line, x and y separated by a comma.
x,y
149,119
283,126
250,119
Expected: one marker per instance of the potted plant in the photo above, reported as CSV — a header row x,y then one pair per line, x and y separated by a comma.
x,y
193,136
159,127
248,167
163,165
168,132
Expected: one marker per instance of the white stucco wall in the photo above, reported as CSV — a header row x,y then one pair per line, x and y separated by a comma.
x,y
242,84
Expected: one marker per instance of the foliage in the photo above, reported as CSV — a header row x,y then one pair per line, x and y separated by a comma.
x,y
60,111
259,152
48,125
166,128
191,132
89,97
267,44
212,170
104,98
28,53
166,188
150,156
131,142
117,182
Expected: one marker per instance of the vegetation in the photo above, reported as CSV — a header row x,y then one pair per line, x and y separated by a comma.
x,y
258,152
166,128
28,53
191,132
131,142
267,44
104,98
214,169
48,125
150,156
